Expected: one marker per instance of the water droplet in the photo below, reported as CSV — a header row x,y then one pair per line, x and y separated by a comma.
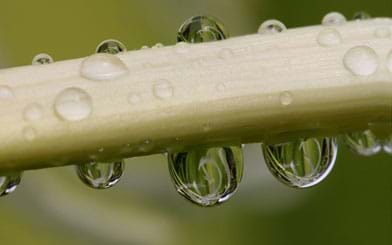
x,y
134,98
363,143
42,59
144,47
271,27
158,45
181,48
73,104
99,175
111,46
226,53
388,145
333,19
301,163
361,15
29,133
6,92
200,29
8,183
329,37
286,98
382,32
221,87
101,149
389,62
33,112
163,89
207,176
361,61
102,66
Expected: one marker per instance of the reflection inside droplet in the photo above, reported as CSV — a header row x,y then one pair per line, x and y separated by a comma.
x,y
100,175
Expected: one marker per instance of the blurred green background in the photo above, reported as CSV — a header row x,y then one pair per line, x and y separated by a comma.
x,y
353,206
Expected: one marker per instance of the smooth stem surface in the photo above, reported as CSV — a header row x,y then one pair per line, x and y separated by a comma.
x,y
246,89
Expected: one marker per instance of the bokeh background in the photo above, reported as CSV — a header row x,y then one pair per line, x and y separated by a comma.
x,y
51,206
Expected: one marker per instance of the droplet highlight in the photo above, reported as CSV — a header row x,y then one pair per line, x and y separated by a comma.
x,y
363,143
329,37
361,61
6,92
302,163
111,46
99,175
9,183
42,59
103,66
334,19
163,89
207,176
73,104
200,29
33,112
271,27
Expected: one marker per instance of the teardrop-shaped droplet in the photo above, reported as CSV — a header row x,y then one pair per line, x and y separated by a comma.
x,y
363,143
388,145
207,176
271,27
103,66
301,163
111,46
99,175
334,19
8,183
361,15
200,29
42,59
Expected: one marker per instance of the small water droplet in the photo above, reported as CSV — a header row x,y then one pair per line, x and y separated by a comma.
x,y
271,27
9,182
200,29
181,48
361,61
102,66
158,45
163,89
286,98
226,53
42,59
329,37
207,176
382,32
144,47
389,61
134,98
33,112
301,163
388,145
361,15
111,46
99,175
101,149
6,92
221,87
363,143
73,104
333,19
29,133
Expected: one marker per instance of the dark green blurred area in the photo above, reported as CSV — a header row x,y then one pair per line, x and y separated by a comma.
x,y
353,206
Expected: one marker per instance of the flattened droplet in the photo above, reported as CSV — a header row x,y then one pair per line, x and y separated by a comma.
x,y
33,112
163,89
6,92
207,176
361,61
103,66
329,37
73,104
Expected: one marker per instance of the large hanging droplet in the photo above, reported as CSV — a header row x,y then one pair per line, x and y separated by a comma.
x,y
8,183
111,46
301,163
363,143
100,175
388,145
207,176
200,29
